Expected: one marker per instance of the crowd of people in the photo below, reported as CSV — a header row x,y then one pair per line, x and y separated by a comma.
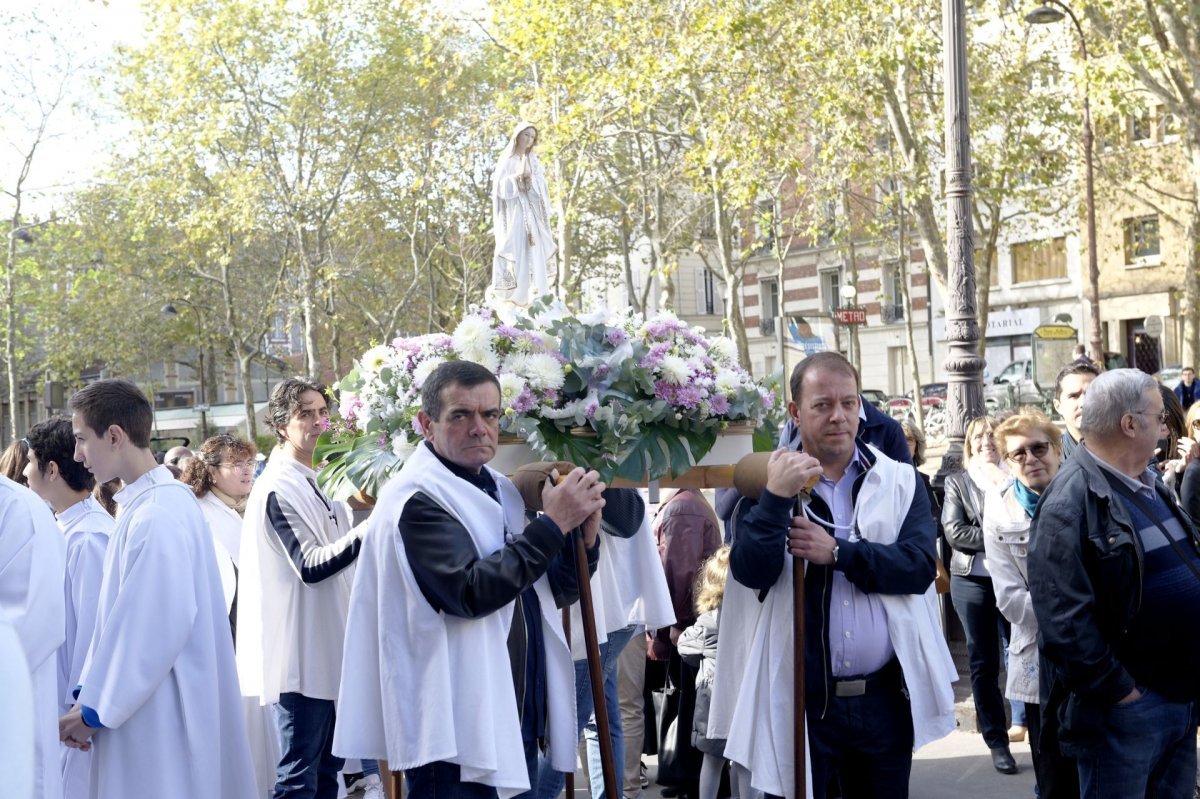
x,y
197,630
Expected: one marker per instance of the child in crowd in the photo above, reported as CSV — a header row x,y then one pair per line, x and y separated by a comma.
x,y
698,647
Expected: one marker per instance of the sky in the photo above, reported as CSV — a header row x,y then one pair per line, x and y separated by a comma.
x,y
41,37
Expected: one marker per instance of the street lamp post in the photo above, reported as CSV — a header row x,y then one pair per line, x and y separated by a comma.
x,y
849,293
1042,15
201,406
964,367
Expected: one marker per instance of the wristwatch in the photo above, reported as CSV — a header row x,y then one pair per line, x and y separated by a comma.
x,y
835,551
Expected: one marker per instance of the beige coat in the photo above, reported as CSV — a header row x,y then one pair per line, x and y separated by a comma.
x,y
1006,541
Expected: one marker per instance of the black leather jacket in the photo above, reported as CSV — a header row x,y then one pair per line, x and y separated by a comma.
x,y
962,522
1085,581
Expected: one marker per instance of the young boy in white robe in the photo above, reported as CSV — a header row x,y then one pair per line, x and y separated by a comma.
x,y
158,695
32,561
66,486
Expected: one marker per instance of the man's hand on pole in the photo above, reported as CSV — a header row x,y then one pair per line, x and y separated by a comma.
x,y
789,473
571,500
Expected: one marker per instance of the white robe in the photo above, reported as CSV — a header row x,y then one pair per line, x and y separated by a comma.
x,y
444,682
629,587
289,637
32,565
752,695
160,672
16,744
86,526
261,729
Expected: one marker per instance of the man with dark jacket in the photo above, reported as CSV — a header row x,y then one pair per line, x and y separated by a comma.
x,y
1186,388
870,549
1114,579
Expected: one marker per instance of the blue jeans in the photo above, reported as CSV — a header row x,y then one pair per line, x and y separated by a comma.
x,y
442,780
550,782
975,603
307,768
1149,749
864,743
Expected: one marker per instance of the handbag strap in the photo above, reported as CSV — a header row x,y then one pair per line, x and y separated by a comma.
x,y
1148,512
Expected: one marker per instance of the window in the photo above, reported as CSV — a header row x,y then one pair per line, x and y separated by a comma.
x,y
1166,123
769,297
891,302
279,329
1138,127
709,303
1039,260
827,229
831,285
1141,238
764,227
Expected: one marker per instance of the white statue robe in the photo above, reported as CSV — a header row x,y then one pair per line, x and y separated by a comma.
x,y
524,242
261,728
426,686
160,672
86,527
32,564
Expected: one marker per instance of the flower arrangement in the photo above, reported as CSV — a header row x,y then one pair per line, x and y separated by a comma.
x,y
628,396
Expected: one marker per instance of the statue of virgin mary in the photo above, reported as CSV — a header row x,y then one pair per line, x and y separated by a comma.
x,y
521,213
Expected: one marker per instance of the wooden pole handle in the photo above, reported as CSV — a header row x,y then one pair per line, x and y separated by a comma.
x,y
595,673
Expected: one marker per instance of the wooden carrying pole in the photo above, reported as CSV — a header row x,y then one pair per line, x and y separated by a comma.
x,y
566,623
798,758
595,673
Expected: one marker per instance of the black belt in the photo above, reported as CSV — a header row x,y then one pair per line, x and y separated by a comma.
x,y
887,678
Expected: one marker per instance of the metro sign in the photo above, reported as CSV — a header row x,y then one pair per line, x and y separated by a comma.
x,y
850,316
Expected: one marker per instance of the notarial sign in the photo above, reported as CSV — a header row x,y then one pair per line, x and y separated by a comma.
x,y
1153,326
853,315
200,407
1054,332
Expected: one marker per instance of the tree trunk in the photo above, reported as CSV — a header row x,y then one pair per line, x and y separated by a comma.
x,y
243,364
731,274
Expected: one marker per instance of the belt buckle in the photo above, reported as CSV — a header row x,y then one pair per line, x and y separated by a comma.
x,y
850,688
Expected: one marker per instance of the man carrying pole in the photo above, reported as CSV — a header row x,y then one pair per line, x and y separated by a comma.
x,y
458,670
877,671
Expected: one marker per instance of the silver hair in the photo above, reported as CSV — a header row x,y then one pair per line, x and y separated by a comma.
x,y
1110,396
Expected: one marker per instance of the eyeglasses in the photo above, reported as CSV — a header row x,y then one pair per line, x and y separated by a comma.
x,y
1038,451
1161,415
240,466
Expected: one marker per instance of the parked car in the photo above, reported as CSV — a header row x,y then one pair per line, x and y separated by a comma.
x,y
876,397
1170,376
932,393
1014,386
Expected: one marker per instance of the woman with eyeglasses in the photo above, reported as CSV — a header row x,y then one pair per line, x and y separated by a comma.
x,y
971,583
1032,446
1189,451
221,475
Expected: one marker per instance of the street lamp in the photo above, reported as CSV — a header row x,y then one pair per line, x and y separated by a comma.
x,y
848,293
201,406
1049,11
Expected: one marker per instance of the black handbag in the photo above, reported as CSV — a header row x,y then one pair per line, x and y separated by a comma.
x,y
674,710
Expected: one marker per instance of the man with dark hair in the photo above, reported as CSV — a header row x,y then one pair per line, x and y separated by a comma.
x,y
66,486
1070,387
1186,388
877,671
294,592
455,603
172,724
1114,581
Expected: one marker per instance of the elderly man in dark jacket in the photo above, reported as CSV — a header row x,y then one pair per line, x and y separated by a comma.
x,y
1114,579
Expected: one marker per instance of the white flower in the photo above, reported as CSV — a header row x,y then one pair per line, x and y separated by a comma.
x,y
424,369
402,447
511,386
472,339
674,370
723,350
728,381
375,358
541,370
484,357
